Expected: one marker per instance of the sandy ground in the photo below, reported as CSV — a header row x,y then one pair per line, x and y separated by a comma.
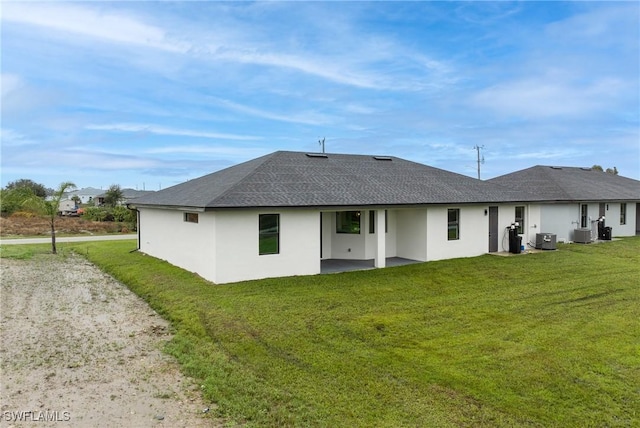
x,y
78,349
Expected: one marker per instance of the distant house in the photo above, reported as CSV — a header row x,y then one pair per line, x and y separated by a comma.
x,y
128,195
86,195
568,198
291,213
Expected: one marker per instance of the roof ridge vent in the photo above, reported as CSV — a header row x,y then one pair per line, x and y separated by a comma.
x,y
383,158
317,155
556,167
586,169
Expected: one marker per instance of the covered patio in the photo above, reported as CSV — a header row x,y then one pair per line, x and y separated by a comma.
x,y
344,265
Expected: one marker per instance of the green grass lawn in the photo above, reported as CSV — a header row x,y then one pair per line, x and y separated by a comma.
x,y
549,339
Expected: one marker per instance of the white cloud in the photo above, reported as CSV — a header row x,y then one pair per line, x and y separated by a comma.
x,y
236,152
10,83
162,130
307,118
9,137
91,22
549,97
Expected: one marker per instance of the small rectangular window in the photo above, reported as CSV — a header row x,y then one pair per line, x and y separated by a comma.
x,y
191,217
584,215
520,219
453,224
623,213
386,221
269,234
372,221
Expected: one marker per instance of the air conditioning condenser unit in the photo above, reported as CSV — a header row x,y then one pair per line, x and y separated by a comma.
x,y
546,241
582,236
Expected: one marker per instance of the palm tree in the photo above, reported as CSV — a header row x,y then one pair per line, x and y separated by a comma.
x,y
50,208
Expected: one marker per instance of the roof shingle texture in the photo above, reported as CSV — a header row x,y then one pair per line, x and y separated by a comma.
x,y
571,184
294,179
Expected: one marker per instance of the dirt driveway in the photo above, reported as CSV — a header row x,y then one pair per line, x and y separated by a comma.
x,y
78,349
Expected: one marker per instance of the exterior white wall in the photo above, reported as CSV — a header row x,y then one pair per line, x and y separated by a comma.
x,y
223,246
236,243
533,225
349,246
474,232
164,234
391,236
560,219
328,229
612,219
411,226
563,219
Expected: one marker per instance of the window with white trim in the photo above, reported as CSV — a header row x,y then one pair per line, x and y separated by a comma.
x,y
453,224
268,234
584,215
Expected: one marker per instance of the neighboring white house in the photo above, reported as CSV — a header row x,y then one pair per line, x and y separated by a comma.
x,y
570,198
86,195
128,195
286,213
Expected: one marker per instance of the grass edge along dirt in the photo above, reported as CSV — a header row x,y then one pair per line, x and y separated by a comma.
x,y
547,339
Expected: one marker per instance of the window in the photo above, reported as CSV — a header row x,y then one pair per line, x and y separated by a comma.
x,y
584,215
348,222
386,221
191,217
453,224
520,219
623,213
269,234
372,221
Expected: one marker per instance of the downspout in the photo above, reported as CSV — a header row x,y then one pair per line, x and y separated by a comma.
x,y
138,226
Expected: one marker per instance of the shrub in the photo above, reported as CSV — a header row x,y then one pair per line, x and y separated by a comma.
x,y
95,214
123,214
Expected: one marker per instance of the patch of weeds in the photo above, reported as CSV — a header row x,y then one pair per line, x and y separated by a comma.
x,y
164,395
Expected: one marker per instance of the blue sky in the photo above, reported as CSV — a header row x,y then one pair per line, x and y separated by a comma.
x,y
149,94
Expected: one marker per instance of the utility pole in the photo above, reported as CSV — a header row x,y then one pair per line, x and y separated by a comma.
x,y
478,148
321,142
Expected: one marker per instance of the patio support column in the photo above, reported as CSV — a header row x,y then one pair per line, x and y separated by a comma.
x,y
381,250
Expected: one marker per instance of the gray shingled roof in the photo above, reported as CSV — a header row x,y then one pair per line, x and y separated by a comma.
x,y
552,183
295,179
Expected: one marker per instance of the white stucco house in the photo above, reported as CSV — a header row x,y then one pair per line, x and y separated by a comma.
x,y
564,199
86,194
290,213
128,195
